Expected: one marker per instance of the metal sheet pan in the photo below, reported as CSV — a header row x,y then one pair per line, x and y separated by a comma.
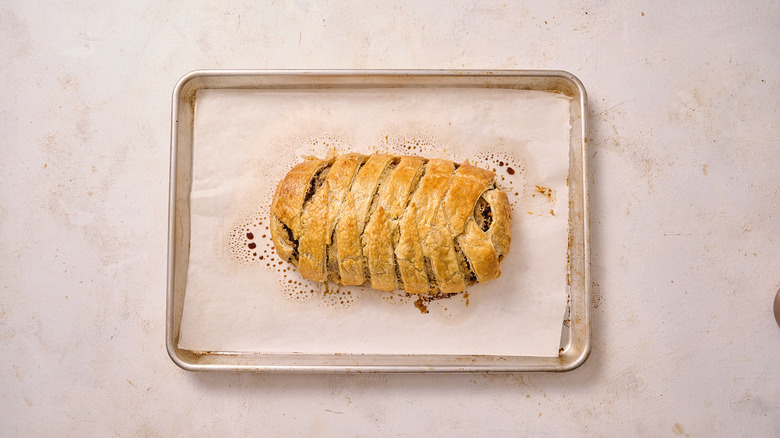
x,y
576,328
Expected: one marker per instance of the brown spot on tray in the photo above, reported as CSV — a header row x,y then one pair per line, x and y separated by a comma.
x,y
421,305
546,191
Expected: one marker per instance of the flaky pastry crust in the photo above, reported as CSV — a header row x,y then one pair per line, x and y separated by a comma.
x,y
397,222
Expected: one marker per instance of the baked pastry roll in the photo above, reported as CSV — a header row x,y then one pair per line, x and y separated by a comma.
x,y
396,222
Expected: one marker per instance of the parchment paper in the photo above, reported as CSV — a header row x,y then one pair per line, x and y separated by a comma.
x,y
246,140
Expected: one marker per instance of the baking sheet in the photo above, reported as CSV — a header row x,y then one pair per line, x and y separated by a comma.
x,y
245,140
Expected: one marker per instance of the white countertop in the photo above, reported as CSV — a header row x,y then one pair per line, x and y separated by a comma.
x,y
684,205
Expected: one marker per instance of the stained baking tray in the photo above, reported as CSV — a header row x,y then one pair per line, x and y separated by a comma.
x,y
576,325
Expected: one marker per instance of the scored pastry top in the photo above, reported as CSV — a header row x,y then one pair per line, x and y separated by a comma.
x,y
398,222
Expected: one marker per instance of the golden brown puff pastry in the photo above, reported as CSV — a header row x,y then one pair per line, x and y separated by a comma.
x,y
399,222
